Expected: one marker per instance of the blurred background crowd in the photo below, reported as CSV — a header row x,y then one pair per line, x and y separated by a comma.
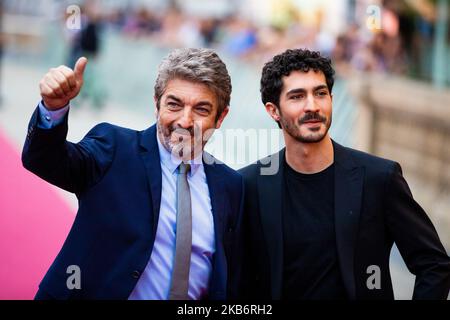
x,y
385,36
391,97
394,36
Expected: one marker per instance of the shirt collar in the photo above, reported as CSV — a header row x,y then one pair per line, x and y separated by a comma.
x,y
171,162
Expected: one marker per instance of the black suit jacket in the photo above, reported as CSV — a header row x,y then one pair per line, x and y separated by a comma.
x,y
116,174
373,209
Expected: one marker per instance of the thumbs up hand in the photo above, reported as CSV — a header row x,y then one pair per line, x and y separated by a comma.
x,y
62,84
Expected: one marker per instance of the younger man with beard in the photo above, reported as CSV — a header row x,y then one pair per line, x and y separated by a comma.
x,y
322,226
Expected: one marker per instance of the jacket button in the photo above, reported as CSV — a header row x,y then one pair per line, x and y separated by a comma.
x,y
136,274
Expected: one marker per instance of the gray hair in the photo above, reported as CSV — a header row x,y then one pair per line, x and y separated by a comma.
x,y
197,65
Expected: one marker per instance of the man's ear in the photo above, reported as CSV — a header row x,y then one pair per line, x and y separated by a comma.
x,y
273,111
222,117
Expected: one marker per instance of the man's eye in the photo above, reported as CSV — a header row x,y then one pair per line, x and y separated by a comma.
x,y
296,97
322,93
203,110
173,104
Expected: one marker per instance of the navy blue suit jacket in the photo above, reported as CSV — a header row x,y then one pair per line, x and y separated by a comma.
x,y
116,175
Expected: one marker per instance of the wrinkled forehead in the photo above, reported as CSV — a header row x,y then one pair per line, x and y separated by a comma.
x,y
189,92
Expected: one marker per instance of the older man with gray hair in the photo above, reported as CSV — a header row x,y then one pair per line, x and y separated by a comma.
x,y
155,220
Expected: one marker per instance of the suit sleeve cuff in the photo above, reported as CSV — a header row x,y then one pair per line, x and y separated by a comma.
x,y
49,119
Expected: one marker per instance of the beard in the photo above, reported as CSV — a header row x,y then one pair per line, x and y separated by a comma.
x,y
313,135
181,142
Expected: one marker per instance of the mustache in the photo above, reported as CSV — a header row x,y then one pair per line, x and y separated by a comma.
x,y
182,131
312,116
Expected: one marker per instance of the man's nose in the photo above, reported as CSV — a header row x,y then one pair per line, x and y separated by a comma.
x,y
186,120
311,105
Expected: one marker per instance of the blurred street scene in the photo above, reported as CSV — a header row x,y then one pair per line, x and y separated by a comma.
x,y
391,96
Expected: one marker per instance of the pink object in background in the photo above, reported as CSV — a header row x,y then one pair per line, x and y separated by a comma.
x,y
34,222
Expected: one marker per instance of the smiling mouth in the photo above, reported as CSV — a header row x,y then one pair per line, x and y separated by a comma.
x,y
181,135
182,132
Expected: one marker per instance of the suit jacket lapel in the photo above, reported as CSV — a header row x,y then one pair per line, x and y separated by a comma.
x,y
218,282
150,155
217,195
271,205
348,195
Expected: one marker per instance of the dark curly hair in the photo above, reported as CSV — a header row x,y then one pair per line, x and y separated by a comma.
x,y
283,64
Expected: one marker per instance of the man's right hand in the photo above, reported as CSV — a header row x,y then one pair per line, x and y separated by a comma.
x,y
62,84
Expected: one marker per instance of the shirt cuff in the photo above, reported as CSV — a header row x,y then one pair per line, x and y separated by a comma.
x,y
49,119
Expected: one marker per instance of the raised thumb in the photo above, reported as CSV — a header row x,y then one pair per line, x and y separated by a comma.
x,y
79,68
